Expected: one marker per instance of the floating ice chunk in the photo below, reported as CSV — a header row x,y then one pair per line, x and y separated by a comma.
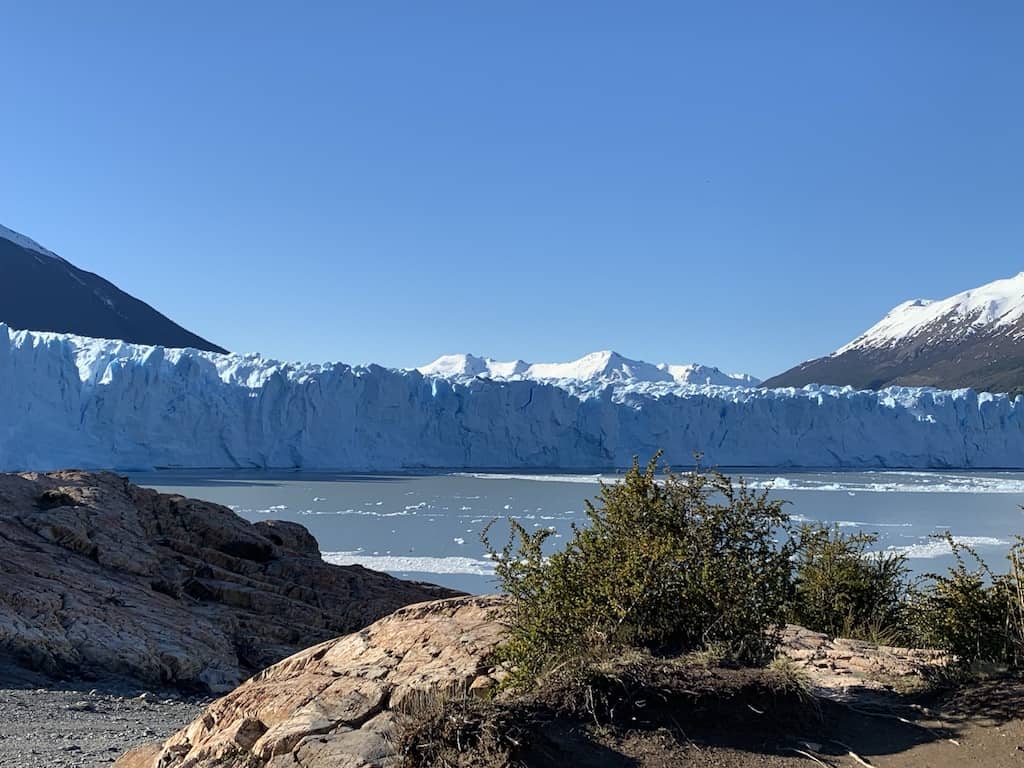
x,y
938,547
406,564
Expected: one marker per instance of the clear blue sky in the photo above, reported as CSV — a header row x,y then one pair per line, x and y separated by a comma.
x,y
745,184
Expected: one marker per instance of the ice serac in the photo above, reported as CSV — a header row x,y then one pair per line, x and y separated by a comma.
x,y
972,339
72,401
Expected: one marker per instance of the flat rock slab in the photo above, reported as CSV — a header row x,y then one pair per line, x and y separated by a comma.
x,y
840,668
100,576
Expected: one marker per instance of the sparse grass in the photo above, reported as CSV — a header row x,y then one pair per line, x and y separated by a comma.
x,y
462,732
714,655
632,694
793,677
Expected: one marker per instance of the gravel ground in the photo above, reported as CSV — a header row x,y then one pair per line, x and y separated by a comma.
x,y
83,724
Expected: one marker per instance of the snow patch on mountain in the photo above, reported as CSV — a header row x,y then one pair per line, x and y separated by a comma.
x,y
26,242
695,373
469,366
994,305
594,369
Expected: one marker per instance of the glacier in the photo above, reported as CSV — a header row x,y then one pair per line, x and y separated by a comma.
x,y
71,401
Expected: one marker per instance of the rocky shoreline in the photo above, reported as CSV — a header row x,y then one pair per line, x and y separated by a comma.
x,y
342,703
100,576
83,724
123,611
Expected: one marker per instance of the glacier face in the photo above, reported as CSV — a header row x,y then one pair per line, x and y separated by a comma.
x,y
70,401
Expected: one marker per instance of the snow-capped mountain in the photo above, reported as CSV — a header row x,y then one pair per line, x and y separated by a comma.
x,y
41,291
597,369
695,373
72,401
973,339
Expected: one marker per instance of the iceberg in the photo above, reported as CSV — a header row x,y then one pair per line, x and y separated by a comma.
x,y
90,403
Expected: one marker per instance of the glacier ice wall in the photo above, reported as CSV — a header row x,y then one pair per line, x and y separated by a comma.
x,y
69,401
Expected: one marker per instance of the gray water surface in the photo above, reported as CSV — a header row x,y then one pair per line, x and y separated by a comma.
x,y
428,526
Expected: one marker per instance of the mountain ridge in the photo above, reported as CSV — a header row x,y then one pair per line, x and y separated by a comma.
x,y
42,291
602,366
973,339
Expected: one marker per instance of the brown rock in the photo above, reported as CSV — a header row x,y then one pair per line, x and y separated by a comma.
x,y
101,576
334,704
481,687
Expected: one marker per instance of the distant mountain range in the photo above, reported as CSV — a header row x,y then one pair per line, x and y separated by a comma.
x,y
596,368
40,291
973,339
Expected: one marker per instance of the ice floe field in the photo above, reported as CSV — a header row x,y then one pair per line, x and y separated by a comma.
x,y
428,526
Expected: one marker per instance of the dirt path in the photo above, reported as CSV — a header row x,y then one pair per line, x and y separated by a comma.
x,y
980,727
986,722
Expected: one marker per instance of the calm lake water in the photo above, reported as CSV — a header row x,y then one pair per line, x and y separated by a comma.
x,y
428,526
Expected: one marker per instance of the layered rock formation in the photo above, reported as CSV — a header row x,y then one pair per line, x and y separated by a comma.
x,y
336,705
99,576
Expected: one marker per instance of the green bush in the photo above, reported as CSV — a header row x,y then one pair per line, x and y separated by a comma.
x,y
683,563
696,562
973,613
845,589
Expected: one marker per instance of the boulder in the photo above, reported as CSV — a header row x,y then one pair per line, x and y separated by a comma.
x,y
99,576
335,704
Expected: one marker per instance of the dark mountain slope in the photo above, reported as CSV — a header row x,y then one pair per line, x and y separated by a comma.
x,y
973,339
40,291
